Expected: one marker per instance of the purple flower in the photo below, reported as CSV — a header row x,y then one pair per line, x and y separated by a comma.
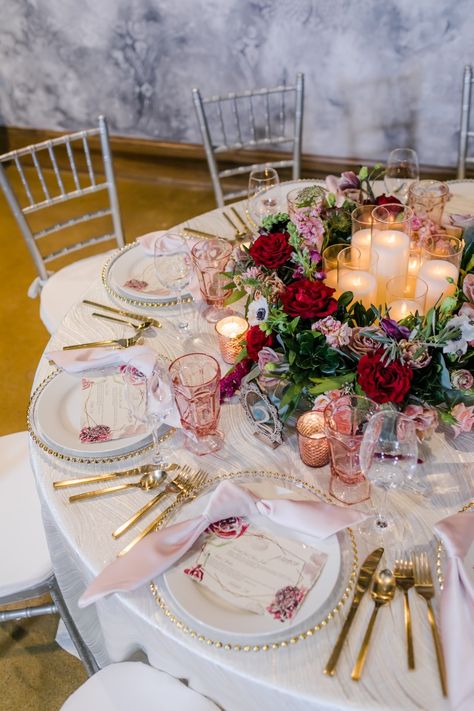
x,y
349,181
393,330
230,383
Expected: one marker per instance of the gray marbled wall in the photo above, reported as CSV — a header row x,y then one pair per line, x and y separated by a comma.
x,y
379,73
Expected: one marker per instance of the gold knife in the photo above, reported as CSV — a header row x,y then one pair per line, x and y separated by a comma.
x,y
128,314
366,573
137,471
200,233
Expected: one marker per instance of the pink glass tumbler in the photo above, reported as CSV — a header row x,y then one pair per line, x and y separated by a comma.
x,y
345,420
195,379
210,258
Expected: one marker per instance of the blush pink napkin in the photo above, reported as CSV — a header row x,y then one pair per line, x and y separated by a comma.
x,y
161,549
457,610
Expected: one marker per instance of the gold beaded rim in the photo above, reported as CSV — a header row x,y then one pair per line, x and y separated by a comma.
x,y
143,303
45,447
271,645
440,548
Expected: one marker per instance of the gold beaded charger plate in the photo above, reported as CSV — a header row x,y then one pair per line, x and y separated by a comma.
x,y
54,424
200,613
129,275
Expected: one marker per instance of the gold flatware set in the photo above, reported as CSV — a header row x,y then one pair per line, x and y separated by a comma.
x,y
241,231
409,571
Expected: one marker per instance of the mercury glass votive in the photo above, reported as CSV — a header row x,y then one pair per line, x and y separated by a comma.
x,y
312,441
231,334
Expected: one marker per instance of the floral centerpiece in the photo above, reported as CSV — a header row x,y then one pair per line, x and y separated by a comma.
x,y
310,344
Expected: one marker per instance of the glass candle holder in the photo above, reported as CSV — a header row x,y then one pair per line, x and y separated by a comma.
x,y
210,258
406,295
345,420
428,199
414,262
356,273
441,259
362,221
391,242
312,441
231,335
329,257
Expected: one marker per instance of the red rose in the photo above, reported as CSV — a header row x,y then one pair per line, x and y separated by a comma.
x,y
256,339
387,200
308,299
271,250
233,527
383,382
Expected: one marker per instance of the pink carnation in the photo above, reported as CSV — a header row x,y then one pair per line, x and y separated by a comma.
x,y
464,417
337,334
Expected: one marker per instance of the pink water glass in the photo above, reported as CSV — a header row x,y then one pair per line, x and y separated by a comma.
x,y
195,379
210,259
345,421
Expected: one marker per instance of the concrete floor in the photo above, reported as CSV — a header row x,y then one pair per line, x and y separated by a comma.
x,y
36,674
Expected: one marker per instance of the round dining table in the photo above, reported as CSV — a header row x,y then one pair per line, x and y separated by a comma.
x,y
260,674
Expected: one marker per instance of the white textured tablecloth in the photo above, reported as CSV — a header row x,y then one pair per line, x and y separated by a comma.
x,y
291,678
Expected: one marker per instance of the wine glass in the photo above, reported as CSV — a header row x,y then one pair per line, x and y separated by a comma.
x,y
388,455
149,397
402,170
174,269
263,198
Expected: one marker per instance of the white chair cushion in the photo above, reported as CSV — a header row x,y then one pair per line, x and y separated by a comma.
x,y
24,557
135,686
67,287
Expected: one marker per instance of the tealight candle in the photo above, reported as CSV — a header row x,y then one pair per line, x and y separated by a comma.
x,y
401,308
393,249
312,442
230,332
435,272
362,284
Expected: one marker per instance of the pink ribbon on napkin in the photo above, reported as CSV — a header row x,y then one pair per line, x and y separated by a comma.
x,y
457,610
161,549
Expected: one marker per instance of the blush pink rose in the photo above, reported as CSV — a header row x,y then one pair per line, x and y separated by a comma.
x,y
425,419
464,417
468,287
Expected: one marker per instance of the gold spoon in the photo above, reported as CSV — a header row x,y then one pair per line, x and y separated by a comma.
x,y
149,481
383,591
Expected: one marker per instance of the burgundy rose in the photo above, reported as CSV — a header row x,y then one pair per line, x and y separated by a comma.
x,y
383,382
308,299
256,340
387,200
271,250
232,527
195,572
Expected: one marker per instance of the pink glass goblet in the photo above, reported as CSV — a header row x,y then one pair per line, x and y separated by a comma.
x,y
345,421
195,379
210,259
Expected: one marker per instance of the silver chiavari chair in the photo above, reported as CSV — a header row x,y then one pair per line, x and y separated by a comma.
x,y
465,133
45,176
262,118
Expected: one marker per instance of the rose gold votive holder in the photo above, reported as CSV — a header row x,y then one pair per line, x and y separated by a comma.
x,y
312,442
231,332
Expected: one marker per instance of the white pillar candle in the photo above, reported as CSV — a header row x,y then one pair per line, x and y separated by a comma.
x,y
401,308
361,239
435,272
362,284
393,250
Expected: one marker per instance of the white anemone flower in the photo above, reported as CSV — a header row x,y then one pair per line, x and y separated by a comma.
x,y
257,311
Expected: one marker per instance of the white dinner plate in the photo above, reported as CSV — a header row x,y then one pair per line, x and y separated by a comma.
x,y
56,418
213,613
461,201
133,265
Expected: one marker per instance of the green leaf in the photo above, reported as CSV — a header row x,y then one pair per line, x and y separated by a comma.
x,y
323,385
363,173
235,296
293,391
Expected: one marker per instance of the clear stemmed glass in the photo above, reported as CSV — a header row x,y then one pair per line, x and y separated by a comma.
x,y
388,456
174,269
263,198
149,398
402,170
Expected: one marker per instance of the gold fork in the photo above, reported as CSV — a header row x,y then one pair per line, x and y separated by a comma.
x,y
404,577
425,589
187,492
180,484
113,343
238,233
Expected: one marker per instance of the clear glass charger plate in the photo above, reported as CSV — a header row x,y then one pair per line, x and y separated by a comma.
x,y
132,264
197,612
54,424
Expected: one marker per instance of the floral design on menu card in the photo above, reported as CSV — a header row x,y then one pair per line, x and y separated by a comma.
x,y
232,527
137,284
97,433
197,571
286,602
